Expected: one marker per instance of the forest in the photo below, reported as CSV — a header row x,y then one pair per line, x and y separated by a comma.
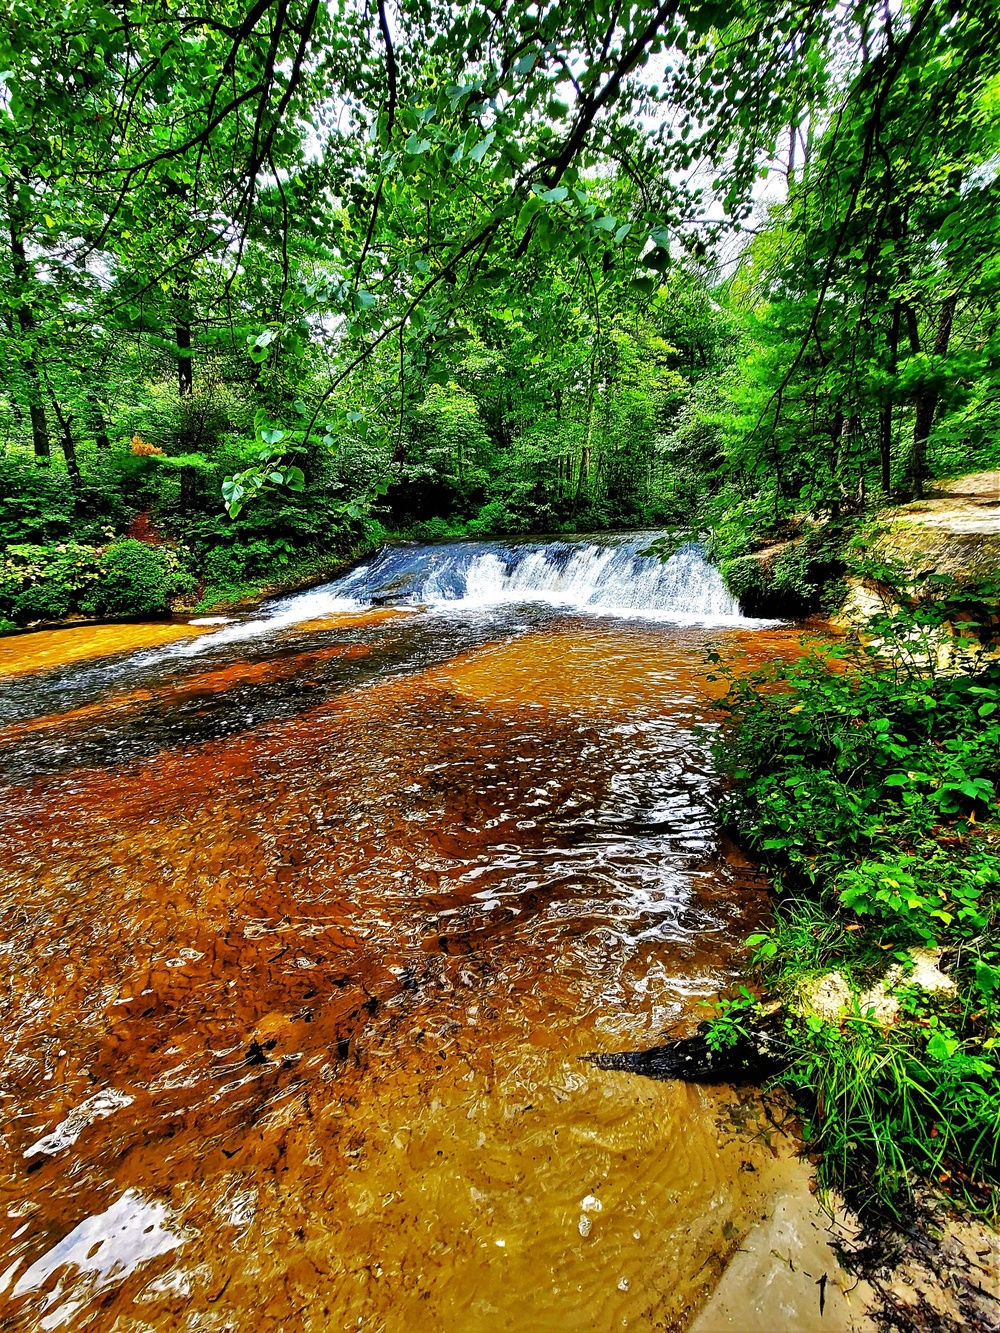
x,y
283,281
516,272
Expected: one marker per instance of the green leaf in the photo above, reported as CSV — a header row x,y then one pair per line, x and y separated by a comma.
x,y
528,210
482,147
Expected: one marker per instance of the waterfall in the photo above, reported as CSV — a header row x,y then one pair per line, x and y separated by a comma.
x,y
610,575
607,575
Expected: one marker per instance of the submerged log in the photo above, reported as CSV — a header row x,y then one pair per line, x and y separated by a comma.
x,y
754,1057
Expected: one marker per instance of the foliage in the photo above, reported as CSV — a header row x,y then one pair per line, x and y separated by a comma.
x,y
135,578
733,1021
803,572
45,582
281,280
865,778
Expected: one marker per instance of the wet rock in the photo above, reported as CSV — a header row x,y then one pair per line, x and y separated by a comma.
x,y
827,997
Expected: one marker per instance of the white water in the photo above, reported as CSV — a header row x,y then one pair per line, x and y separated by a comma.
x,y
610,576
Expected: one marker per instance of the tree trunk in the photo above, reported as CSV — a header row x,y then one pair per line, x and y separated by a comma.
x,y
72,463
927,401
185,365
584,471
793,130
185,387
68,445
189,489
99,424
885,418
26,322
39,422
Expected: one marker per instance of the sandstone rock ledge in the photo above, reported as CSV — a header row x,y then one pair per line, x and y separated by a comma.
x,y
955,531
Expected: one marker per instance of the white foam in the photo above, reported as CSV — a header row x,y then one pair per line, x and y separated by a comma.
x,y
279,615
614,580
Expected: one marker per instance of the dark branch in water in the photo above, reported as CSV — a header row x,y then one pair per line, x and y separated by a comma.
x,y
752,1059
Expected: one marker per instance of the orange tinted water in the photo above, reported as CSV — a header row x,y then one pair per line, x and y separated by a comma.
x,y
300,965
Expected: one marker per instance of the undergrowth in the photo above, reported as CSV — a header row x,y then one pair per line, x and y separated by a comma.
x,y
864,777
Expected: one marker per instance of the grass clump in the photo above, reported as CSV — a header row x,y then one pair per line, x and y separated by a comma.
x,y
865,779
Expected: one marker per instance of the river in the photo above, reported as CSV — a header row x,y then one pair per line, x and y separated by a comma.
x,y
308,918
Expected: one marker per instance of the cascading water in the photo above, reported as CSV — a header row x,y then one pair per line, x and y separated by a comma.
x,y
309,918
613,576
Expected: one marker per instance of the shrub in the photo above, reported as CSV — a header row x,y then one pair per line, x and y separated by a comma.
x,y
247,560
804,576
867,781
36,504
45,581
136,579
437,529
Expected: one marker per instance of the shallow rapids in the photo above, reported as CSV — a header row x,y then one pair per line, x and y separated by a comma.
x,y
309,917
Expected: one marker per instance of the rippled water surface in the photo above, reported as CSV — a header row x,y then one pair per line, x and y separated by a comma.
x,y
305,930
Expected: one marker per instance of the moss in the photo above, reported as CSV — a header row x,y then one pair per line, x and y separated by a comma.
x,y
795,577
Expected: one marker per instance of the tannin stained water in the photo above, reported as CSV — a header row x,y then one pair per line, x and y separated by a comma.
x,y
306,930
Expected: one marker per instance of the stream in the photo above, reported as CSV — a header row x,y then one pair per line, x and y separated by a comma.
x,y
307,920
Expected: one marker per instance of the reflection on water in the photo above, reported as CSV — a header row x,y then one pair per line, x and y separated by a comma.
x,y
305,934
97,1253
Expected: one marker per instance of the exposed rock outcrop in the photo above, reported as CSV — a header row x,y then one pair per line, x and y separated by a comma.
x,y
955,531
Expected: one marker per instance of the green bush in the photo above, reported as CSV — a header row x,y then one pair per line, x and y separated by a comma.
x,y
45,581
247,560
746,580
437,529
867,782
136,579
805,576
36,504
